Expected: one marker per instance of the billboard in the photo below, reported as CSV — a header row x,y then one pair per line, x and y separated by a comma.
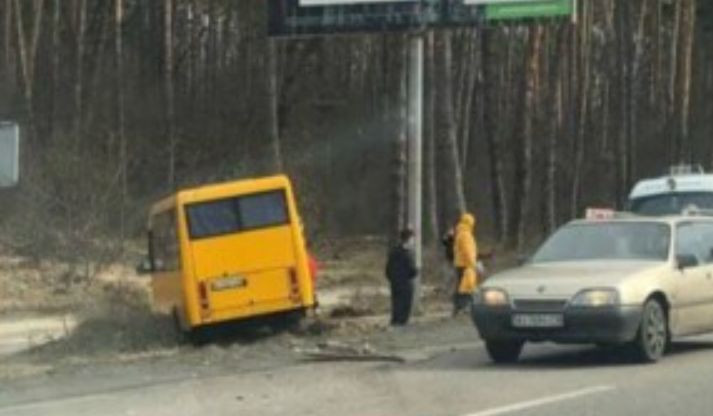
x,y
9,154
321,17
487,2
307,3
294,18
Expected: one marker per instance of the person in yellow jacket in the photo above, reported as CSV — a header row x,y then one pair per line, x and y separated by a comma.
x,y
465,257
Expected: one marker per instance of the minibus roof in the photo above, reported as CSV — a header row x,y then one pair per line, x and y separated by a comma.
x,y
221,190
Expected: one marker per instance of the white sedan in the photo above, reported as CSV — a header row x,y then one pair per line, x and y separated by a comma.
x,y
638,282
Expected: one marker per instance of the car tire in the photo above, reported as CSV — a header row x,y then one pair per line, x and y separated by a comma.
x,y
653,338
287,322
181,334
504,352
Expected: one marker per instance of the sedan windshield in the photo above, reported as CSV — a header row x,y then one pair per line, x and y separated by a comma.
x,y
610,241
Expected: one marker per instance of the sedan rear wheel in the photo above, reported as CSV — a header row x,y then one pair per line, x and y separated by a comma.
x,y
504,352
653,337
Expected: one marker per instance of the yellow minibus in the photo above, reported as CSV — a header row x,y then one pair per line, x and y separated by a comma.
x,y
228,252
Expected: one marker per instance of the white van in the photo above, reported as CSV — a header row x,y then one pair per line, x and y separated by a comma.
x,y
685,187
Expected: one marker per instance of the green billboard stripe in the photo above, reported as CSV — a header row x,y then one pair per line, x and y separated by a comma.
x,y
529,9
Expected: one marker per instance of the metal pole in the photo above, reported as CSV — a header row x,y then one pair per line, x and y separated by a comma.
x,y
415,152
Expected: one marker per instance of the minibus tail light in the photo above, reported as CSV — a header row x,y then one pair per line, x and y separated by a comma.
x,y
294,285
203,293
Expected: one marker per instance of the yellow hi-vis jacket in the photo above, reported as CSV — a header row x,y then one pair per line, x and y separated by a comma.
x,y
465,250
468,282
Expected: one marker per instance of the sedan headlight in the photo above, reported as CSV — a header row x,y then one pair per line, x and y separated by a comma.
x,y
596,298
493,297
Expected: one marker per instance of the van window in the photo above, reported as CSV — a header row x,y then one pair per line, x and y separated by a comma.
x,y
668,204
233,215
164,242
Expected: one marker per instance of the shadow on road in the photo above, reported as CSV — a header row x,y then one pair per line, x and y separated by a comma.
x,y
605,356
685,347
552,357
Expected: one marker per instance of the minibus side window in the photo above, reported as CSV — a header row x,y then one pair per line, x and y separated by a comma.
x,y
164,242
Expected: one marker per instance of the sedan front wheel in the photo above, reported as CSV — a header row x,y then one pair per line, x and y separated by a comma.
x,y
652,339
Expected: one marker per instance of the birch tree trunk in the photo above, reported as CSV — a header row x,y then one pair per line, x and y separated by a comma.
x,y
556,125
431,150
458,204
490,103
120,111
583,108
80,10
28,55
169,90
7,38
670,131
623,105
274,105
636,81
56,49
466,118
685,74
531,82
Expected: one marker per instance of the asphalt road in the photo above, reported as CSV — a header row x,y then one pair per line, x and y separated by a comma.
x,y
550,380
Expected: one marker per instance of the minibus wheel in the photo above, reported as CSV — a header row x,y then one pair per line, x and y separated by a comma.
x,y
186,336
198,337
288,321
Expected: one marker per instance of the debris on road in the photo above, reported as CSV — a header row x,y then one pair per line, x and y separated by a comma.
x,y
349,311
338,351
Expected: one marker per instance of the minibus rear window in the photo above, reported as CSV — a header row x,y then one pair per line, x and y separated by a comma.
x,y
234,215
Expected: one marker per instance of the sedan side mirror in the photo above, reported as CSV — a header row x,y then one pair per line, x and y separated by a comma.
x,y
686,261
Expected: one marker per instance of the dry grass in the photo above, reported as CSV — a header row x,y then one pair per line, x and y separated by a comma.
x,y
117,320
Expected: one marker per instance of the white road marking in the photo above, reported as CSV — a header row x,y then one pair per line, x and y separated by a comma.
x,y
12,410
544,401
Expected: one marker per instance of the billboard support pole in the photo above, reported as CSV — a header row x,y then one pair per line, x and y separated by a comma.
x,y
415,152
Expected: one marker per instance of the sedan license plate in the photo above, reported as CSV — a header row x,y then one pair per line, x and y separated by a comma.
x,y
552,320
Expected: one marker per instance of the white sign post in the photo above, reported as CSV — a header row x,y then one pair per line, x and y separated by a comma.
x,y
9,154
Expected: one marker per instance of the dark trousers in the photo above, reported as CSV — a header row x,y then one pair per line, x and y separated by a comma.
x,y
460,301
401,301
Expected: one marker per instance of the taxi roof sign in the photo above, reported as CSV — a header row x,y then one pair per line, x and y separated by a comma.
x,y
9,154
600,214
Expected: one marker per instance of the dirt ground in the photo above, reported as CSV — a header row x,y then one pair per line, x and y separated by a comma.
x,y
108,321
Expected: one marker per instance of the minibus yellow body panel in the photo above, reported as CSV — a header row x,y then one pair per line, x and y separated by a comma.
x,y
228,252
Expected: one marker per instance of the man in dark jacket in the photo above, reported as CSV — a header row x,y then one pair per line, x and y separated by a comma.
x,y
447,241
400,271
